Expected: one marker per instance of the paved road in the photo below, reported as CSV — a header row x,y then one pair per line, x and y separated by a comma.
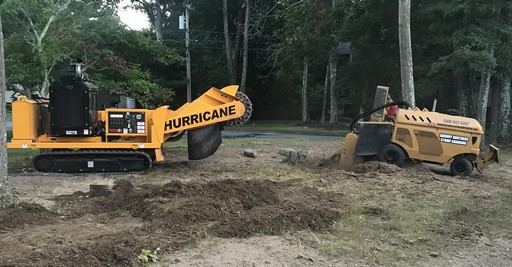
x,y
242,134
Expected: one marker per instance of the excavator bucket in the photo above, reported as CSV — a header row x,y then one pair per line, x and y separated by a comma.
x,y
491,156
203,142
346,154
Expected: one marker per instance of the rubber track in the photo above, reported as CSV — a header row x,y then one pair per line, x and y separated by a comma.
x,y
96,155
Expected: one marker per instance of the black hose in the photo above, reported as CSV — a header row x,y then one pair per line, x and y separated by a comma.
x,y
362,115
177,136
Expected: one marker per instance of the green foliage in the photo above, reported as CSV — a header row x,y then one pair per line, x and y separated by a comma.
x,y
453,41
149,94
147,255
41,29
117,59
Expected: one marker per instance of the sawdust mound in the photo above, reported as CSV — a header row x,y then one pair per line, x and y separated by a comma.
x,y
418,168
376,166
175,215
24,214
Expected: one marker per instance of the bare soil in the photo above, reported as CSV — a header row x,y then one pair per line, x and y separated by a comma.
x,y
231,210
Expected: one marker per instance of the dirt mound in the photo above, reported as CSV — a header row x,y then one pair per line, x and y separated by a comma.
x,y
277,219
172,216
24,214
110,250
376,166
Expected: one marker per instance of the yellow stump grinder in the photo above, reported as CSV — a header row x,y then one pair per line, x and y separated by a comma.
x,y
80,129
418,135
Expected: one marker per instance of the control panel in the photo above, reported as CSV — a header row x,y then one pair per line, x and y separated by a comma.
x,y
126,122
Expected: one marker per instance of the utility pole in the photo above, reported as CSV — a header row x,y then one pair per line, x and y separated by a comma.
x,y
187,44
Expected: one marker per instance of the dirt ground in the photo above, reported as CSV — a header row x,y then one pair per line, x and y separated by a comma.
x,y
232,210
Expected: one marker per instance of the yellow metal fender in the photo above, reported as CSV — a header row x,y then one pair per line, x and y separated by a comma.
x,y
346,154
491,156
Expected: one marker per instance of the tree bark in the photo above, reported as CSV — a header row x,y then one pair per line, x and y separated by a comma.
x,y
236,51
462,96
45,86
246,47
505,135
333,67
483,96
493,127
406,65
305,89
485,81
187,55
324,99
5,191
158,21
227,41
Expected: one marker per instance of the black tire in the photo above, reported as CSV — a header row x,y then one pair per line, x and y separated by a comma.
x,y
392,154
461,166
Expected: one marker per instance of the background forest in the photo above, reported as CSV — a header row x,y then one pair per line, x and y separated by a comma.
x,y
328,54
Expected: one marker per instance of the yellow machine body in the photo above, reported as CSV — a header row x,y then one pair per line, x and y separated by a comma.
x,y
435,137
152,129
419,135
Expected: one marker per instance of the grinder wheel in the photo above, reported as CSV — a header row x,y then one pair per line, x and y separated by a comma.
x,y
247,114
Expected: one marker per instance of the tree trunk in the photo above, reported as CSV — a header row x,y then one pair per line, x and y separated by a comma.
x,y
462,99
324,99
246,48
305,89
406,65
504,127
485,81
227,40
158,20
472,102
333,67
5,191
483,96
493,127
187,54
44,90
236,51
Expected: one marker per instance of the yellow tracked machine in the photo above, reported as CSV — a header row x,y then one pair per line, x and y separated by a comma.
x,y
80,129
418,135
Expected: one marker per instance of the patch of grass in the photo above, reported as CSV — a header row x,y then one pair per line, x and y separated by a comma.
x,y
482,215
408,230
242,141
383,236
265,141
20,158
292,127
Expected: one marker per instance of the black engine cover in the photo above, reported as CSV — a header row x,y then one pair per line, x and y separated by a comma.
x,y
73,109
